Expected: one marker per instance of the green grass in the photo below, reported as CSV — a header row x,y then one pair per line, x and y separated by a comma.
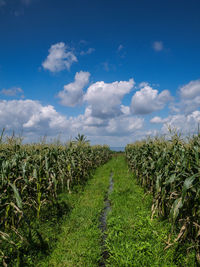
x,y
78,243
133,238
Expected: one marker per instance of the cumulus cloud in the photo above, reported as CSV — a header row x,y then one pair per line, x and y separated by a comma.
x,y
46,118
190,90
124,125
106,118
187,124
88,123
157,120
104,99
35,120
189,98
73,92
148,100
158,46
92,121
13,91
59,58
187,106
31,116
104,113
87,52
125,110
186,113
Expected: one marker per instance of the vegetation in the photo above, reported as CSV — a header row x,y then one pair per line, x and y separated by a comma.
x,y
32,177
50,210
81,139
133,239
170,170
79,242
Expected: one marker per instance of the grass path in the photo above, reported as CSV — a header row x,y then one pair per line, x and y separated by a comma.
x,y
132,238
79,241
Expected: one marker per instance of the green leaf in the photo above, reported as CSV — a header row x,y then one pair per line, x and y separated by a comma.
x,y
158,180
177,205
188,184
171,179
17,196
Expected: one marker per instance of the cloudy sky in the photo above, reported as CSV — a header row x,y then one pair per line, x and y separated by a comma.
x,y
114,70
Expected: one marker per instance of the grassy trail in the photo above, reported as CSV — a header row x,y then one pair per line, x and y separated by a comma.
x,y
132,239
79,241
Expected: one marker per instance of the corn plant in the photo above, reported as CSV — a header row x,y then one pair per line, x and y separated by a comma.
x,y
32,177
170,170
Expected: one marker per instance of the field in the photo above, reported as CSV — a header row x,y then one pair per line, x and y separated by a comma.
x,y
32,179
53,197
170,170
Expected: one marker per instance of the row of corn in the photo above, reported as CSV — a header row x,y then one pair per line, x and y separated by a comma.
x,y
170,170
31,178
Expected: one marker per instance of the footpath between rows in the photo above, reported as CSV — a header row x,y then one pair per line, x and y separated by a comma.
x,y
128,236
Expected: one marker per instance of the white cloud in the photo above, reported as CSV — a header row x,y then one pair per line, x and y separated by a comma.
x,y
124,125
46,118
148,100
13,91
31,117
106,119
104,114
87,122
158,120
188,105
186,118
92,121
125,110
190,90
158,46
73,92
143,84
189,98
87,52
187,124
104,99
148,133
59,58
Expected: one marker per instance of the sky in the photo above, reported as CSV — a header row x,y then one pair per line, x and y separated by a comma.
x,y
115,71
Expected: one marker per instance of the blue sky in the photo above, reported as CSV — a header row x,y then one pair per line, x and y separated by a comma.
x,y
115,71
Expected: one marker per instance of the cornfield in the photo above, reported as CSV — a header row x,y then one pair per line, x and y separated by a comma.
x,y
32,176
170,170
